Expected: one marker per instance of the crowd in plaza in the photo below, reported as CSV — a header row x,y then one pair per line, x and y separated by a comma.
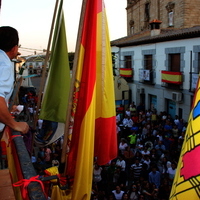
x,y
149,146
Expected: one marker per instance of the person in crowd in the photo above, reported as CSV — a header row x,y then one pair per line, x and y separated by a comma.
x,y
136,169
31,112
171,172
148,192
111,196
94,197
132,108
160,148
48,155
164,190
141,197
145,151
176,120
97,178
133,192
155,176
125,196
118,192
132,140
127,124
128,112
122,146
39,125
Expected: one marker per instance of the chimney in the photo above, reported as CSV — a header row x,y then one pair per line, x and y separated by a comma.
x,y
155,27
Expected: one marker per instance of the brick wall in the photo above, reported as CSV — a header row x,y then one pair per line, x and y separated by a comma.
x,y
185,13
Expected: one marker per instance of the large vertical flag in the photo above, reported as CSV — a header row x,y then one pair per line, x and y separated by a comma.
x,y
187,179
93,111
55,98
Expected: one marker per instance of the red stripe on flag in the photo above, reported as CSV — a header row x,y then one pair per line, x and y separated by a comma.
x,y
105,139
171,73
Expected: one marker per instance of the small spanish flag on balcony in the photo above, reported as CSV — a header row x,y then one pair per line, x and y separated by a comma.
x,y
126,72
172,77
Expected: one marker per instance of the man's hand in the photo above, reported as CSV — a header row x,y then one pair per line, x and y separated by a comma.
x,y
22,127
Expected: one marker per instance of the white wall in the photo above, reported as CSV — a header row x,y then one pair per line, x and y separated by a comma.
x,y
162,93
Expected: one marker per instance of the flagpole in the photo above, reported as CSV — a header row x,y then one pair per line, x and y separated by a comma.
x,y
76,56
42,84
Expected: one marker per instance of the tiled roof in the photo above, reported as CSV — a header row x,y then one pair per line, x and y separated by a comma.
x,y
165,35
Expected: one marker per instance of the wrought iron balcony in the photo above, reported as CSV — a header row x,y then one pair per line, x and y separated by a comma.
x,y
147,76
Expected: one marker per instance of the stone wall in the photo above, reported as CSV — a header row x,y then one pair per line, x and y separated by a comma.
x,y
185,14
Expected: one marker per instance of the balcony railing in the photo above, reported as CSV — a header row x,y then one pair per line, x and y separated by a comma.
x,y
146,76
193,81
172,77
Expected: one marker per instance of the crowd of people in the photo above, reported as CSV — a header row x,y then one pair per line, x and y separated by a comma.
x,y
149,146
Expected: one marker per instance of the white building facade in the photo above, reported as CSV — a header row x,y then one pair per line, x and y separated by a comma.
x,y
162,69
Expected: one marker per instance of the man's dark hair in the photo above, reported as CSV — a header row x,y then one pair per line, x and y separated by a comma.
x,y
8,38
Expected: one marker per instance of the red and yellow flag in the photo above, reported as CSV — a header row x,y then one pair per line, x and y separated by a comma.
x,y
171,77
126,72
187,178
93,110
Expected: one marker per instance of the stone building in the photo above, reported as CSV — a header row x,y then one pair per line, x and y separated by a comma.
x,y
173,14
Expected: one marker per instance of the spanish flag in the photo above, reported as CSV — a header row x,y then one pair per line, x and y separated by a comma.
x,y
93,110
187,179
171,77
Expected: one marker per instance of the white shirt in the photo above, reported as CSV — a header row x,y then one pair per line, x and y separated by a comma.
x,y
6,79
40,121
121,164
127,122
118,196
122,147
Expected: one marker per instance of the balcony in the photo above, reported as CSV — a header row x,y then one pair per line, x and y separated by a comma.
x,y
126,73
194,77
146,76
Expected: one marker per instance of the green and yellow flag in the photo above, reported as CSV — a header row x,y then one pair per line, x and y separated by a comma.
x,y
55,98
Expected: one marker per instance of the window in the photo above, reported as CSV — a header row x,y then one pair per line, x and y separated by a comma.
x,y
174,62
127,61
174,66
148,62
146,12
198,62
148,65
131,23
171,18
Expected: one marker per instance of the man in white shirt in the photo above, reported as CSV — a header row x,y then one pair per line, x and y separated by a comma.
x,y
8,50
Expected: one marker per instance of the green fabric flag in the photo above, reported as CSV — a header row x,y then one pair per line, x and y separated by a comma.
x,y
55,98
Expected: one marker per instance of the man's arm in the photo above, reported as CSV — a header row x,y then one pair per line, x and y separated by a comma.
x,y
7,119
